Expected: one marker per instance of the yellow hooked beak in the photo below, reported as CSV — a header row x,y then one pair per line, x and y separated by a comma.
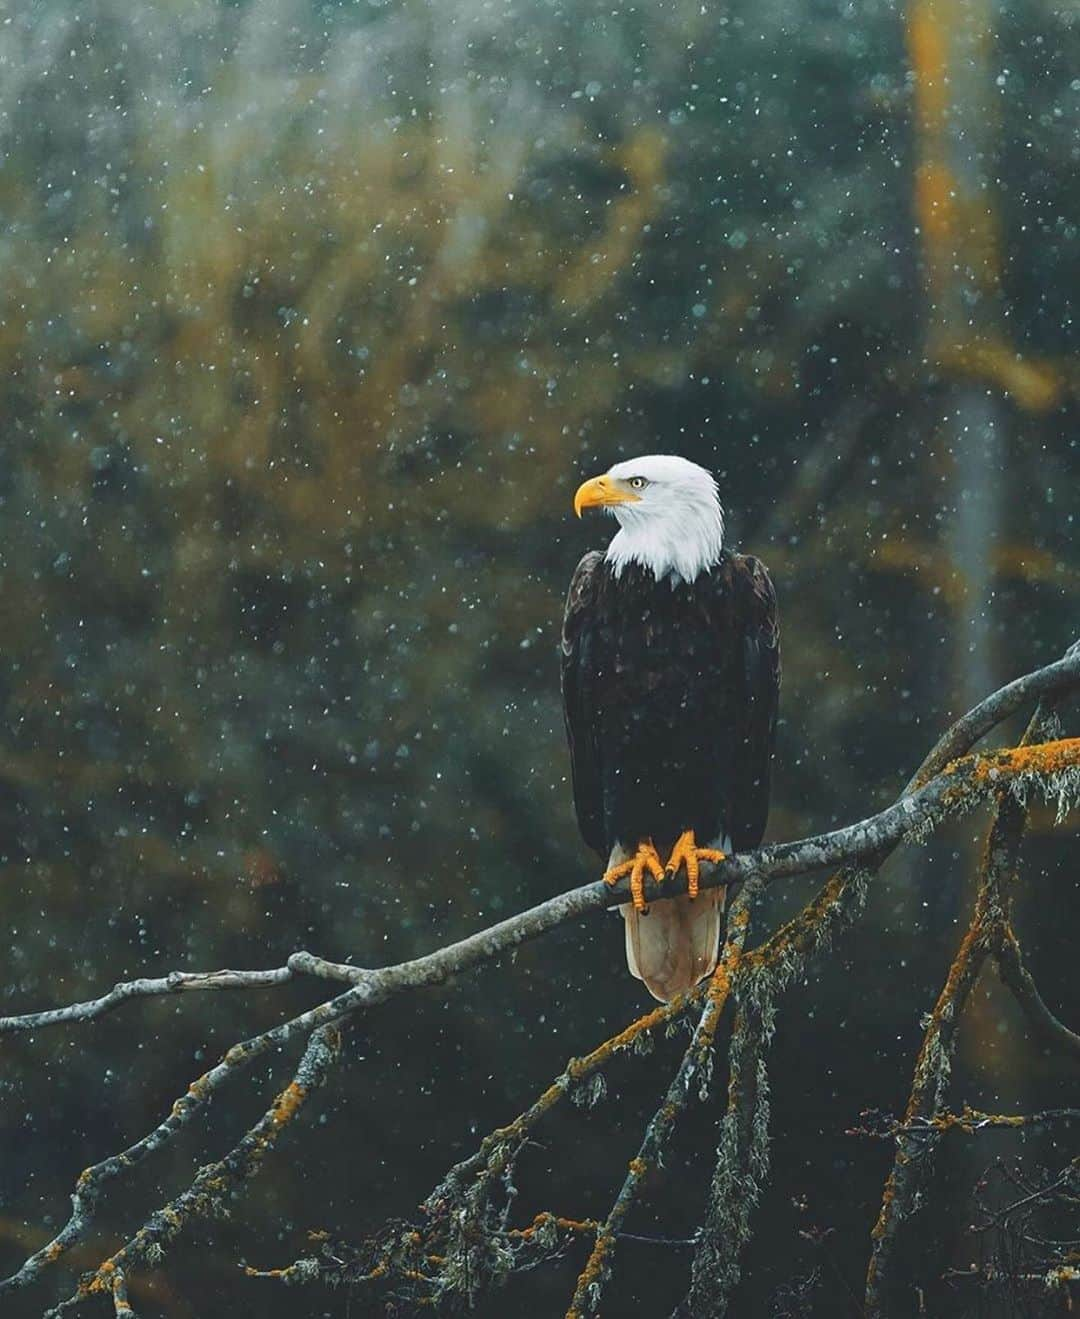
x,y
602,492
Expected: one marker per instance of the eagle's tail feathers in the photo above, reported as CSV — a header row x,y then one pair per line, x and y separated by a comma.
x,y
676,942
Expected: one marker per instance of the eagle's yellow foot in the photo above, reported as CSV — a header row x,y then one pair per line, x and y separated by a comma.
x,y
686,852
645,858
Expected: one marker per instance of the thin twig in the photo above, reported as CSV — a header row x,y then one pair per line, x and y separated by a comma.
x,y
970,1121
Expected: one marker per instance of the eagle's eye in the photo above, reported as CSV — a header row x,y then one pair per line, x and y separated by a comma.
x,y
638,483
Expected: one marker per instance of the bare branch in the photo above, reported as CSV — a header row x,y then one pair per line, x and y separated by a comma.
x,y
176,982
1051,681
1014,973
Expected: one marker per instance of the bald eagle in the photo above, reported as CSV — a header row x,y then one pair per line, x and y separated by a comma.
x,y
670,683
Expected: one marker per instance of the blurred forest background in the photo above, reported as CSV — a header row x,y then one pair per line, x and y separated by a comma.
x,y
313,313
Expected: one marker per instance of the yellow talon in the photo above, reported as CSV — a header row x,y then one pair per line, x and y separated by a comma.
x,y
645,858
686,852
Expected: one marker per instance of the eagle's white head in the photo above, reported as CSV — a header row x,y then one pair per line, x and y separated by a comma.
x,y
669,515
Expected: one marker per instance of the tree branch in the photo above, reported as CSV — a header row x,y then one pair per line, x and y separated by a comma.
x,y
941,788
176,982
1051,681
494,1148
972,1121
918,1134
696,1062
205,1196
1010,963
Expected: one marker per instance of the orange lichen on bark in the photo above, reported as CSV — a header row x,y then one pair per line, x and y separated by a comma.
x,y
543,1220
989,920
965,966
721,980
1041,758
798,933
198,1089
605,1239
579,1068
998,768
99,1281
592,1270
971,1117
287,1104
603,1052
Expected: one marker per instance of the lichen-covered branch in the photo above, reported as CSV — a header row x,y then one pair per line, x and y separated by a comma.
x,y
769,969
121,1304
92,1181
917,1135
204,1198
742,1165
1052,768
919,809
972,1120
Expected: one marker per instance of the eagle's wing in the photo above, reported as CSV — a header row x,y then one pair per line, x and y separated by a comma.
x,y
757,672
578,694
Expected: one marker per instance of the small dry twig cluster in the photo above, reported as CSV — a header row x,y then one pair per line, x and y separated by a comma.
x,y
465,1243
1027,1233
